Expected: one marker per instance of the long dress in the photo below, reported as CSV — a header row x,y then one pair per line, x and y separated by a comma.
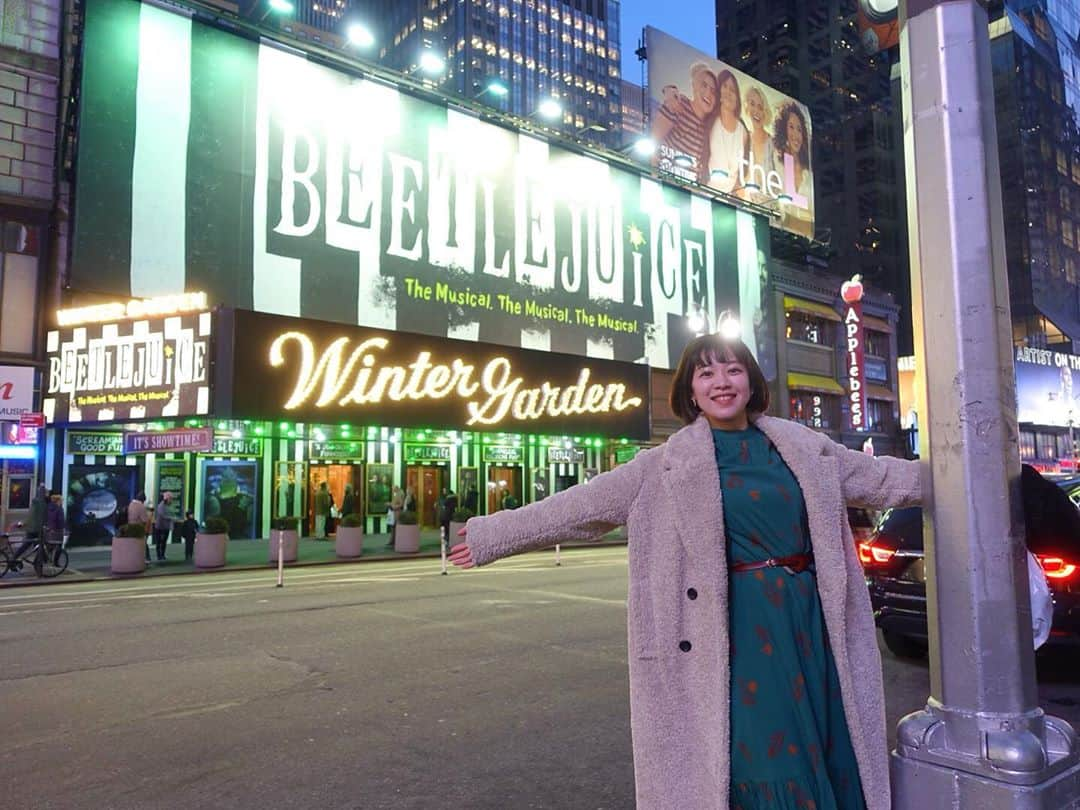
x,y
790,745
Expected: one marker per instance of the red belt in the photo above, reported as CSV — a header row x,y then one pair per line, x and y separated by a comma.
x,y
795,564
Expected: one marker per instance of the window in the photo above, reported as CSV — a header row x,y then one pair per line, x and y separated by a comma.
x,y
809,329
1046,445
879,416
821,411
876,343
1027,445
18,287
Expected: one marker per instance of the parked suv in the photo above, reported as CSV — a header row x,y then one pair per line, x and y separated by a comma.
x,y
892,559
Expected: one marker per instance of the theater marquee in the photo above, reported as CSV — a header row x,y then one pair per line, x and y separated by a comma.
x,y
134,369
314,371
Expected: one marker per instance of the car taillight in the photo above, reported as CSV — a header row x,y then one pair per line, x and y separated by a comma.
x,y
1056,567
869,554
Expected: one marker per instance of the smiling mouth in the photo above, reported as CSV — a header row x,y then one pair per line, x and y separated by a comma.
x,y
723,399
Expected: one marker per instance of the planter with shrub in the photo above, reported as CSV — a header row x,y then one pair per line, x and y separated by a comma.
x,y
407,533
128,554
285,533
349,540
457,523
211,542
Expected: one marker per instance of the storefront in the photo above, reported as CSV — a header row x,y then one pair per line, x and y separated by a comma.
x,y
18,445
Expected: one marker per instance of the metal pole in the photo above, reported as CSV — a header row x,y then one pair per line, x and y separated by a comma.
x,y
444,541
281,559
558,559
982,741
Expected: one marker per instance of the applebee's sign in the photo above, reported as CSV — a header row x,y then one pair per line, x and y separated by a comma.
x,y
852,293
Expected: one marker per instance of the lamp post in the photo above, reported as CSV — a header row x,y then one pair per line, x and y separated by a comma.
x,y
982,741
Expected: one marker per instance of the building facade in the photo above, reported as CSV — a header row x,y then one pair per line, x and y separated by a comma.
x,y
338,279
30,69
812,51
813,383
536,48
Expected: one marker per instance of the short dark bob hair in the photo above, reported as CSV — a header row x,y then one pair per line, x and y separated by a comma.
x,y
706,349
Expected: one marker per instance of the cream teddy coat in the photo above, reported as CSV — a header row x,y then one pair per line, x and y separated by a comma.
x,y
669,499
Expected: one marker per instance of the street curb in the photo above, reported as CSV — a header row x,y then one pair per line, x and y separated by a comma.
x,y
269,566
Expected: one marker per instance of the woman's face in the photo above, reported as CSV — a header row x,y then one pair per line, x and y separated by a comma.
x,y
705,90
721,390
795,134
729,95
755,109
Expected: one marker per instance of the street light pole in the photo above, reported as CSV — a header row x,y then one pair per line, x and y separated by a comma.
x,y
982,741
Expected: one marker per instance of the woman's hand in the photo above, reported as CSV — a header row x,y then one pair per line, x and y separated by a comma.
x,y
461,554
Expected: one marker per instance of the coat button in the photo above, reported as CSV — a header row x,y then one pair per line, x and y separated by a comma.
x,y
684,646
691,594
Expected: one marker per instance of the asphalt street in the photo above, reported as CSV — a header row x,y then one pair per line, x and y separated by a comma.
x,y
377,686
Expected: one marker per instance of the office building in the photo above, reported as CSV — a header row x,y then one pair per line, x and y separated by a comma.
x,y
535,49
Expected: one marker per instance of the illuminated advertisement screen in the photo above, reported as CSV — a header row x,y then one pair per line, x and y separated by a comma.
x,y
1047,387
719,127
321,372
138,369
212,162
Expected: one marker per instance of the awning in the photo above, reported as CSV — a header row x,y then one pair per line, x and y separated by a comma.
x,y
879,392
813,382
793,304
877,324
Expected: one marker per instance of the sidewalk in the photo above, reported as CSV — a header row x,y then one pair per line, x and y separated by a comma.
x,y
89,563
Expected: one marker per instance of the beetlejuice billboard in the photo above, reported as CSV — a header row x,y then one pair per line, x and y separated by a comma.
x,y
212,162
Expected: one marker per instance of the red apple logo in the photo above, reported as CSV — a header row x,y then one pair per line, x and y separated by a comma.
x,y
852,291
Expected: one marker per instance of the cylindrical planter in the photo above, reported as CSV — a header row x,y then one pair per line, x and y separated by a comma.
x,y
291,543
210,550
407,538
128,555
453,539
349,541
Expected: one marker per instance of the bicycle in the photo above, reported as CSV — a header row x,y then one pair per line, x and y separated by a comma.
x,y
46,554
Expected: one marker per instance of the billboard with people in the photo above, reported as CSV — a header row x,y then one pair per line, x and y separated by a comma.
x,y
725,130
1045,390
212,162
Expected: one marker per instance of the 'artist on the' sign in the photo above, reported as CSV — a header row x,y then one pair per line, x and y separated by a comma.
x,y
743,576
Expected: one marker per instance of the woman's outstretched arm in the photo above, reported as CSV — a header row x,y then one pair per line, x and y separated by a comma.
x,y
582,512
878,482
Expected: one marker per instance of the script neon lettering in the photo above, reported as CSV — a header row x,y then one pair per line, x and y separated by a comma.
x,y
323,375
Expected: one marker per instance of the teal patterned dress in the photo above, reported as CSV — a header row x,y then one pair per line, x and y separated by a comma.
x,y
790,746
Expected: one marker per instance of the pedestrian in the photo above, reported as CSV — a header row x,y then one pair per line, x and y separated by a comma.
x,y
409,504
450,504
755,676
188,529
397,502
137,515
472,498
55,521
163,522
348,501
36,522
322,510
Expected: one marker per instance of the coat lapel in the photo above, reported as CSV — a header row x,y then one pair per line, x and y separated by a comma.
x,y
692,485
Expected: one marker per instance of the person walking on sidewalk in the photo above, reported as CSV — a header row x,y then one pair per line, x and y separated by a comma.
x,y
188,530
163,522
322,510
755,676
137,515
397,503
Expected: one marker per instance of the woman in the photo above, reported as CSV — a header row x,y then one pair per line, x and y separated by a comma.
x,y
792,141
760,158
348,502
681,125
729,140
754,668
